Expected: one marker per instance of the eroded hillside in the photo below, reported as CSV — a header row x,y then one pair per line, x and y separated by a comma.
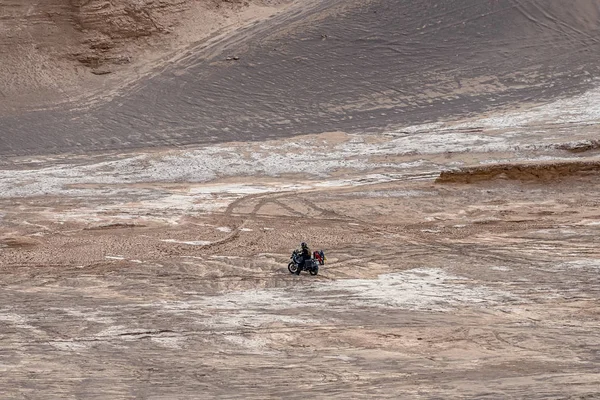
x,y
55,48
317,66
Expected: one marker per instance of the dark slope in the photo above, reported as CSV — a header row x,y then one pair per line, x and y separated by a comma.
x,y
342,65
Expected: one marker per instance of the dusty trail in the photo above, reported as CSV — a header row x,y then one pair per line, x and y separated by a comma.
x,y
215,321
431,290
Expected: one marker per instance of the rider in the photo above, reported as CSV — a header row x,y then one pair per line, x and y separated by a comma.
x,y
304,256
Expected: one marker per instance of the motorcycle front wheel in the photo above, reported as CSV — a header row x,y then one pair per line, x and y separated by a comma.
x,y
293,268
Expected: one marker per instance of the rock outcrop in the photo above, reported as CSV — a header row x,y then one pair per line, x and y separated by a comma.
x,y
533,172
105,25
49,48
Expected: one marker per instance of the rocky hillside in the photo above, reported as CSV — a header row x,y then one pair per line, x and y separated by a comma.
x,y
107,25
55,46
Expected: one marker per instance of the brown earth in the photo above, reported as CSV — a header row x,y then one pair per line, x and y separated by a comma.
x,y
429,291
548,171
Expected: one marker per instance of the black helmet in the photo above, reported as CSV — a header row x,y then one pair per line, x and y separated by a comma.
x,y
303,245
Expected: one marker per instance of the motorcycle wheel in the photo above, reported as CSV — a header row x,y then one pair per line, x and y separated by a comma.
x,y
314,271
293,268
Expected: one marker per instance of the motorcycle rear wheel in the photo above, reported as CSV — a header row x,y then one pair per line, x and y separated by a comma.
x,y
314,271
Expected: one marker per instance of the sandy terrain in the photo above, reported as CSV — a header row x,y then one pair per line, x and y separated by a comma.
x,y
323,66
163,274
66,52
443,154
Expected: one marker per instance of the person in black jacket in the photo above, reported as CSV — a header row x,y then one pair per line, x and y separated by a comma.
x,y
304,256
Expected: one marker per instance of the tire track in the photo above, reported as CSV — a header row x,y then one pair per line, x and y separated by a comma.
x,y
562,23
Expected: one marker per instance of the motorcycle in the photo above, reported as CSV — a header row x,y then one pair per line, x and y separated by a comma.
x,y
311,265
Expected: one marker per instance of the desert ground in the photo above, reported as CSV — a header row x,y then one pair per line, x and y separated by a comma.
x,y
445,155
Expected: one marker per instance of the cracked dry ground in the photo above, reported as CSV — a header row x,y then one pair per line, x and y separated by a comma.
x,y
430,291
